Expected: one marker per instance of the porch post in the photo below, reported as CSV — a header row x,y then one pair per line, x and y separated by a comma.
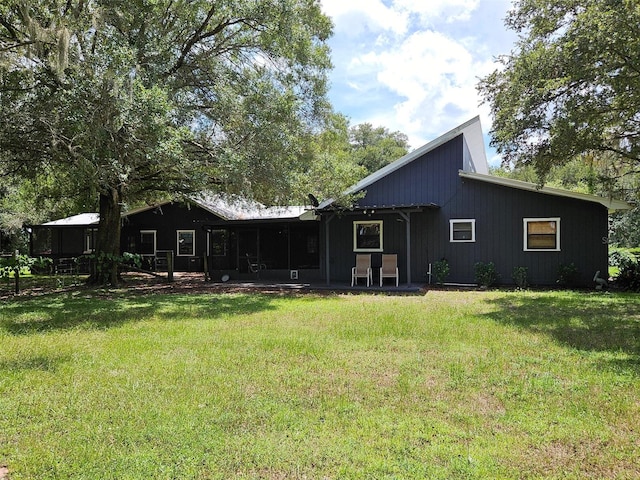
x,y
326,248
407,221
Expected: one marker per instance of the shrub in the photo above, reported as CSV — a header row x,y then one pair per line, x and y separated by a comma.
x,y
486,274
520,277
441,271
42,265
629,276
619,255
567,274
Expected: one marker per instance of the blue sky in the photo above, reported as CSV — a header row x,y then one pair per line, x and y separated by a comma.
x,y
413,65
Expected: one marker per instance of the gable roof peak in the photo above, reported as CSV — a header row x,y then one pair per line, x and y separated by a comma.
x,y
474,156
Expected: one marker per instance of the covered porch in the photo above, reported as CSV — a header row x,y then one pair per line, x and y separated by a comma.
x,y
269,250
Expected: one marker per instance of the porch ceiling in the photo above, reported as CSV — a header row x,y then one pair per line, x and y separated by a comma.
x,y
359,209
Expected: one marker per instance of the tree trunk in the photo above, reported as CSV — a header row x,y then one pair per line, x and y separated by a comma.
x,y
108,239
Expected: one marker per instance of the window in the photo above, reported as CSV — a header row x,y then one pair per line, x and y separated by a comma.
x,y
89,239
367,236
218,246
147,242
462,230
542,234
186,242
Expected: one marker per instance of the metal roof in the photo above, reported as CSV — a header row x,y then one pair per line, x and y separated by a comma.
x,y
80,220
610,203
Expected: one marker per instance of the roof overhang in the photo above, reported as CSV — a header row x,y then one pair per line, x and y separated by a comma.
x,y
611,204
381,209
80,220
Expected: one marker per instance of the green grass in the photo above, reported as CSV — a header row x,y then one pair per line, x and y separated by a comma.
x,y
445,385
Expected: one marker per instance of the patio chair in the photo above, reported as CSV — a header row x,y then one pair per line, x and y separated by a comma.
x,y
389,268
362,270
254,267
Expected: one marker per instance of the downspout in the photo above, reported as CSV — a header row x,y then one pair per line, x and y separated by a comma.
x,y
326,247
407,221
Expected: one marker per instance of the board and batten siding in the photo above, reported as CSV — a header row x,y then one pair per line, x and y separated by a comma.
x,y
499,212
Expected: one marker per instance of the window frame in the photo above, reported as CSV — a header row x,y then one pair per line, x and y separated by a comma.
x,y
225,241
155,241
526,221
90,240
193,243
455,221
357,224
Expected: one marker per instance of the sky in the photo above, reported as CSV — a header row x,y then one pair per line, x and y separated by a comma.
x,y
413,65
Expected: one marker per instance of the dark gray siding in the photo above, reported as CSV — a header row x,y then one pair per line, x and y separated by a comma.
x,y
498,211
167,220
432,178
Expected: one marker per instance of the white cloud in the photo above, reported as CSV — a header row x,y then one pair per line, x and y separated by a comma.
x,y
413,65
356,17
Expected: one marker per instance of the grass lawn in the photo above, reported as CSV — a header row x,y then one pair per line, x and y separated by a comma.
x,y
442,385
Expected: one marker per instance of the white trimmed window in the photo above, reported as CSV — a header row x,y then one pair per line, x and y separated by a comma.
x,y
186,243
542,234
462,230
367,236
90,239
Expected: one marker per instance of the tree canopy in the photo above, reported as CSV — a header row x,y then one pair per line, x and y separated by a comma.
x,y
374,147
124,100
571,86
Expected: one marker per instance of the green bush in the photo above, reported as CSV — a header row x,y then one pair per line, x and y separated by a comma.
x,y
441,271
619,255
520,277
567,274
486,274
629,276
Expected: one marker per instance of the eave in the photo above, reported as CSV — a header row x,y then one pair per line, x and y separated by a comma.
x,y
611,204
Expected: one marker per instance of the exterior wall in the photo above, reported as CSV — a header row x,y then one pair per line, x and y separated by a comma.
x,y
166,221
498,212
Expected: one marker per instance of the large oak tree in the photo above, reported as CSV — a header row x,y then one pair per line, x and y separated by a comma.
x,y
571,86
128,99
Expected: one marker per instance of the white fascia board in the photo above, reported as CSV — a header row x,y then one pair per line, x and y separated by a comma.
x,y
80,220
610,203
472,132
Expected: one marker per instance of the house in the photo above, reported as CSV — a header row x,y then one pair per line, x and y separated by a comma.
x,y
227,236
437,202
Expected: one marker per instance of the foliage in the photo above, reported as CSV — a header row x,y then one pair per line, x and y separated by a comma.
x,y
520,277
446,385
334,168
124,101
9,266
625,228
441,271
42,265
374,147
619,255
571,86
486,274
567,274
105,263
628,277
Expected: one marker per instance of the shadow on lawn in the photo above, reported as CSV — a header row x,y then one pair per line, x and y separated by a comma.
x,y
587,322
50,313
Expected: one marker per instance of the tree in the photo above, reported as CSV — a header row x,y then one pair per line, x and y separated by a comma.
x,y
334,168
374,147
127,100
572,85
